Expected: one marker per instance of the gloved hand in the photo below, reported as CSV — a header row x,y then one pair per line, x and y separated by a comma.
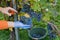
x,y
21,25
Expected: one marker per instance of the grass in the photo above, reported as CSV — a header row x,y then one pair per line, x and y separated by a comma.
x,y
23,34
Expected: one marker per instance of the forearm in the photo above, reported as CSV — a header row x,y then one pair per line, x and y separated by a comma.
x,y
0,8
6,24
10,24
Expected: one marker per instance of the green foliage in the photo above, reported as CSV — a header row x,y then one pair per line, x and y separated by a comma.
x,y
47,17
1,16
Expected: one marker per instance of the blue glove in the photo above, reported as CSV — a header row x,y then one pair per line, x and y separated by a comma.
x,y
21,25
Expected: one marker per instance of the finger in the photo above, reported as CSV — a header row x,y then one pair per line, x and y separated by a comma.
x,y
8,14
26,26
12,9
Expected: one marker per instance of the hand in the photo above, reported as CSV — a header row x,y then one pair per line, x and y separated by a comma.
x,y
6,10
21,25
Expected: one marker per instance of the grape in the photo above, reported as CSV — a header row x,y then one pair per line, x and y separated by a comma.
x,y
52,35
22,19
32,14
23,10
39,17
36,35
28,21
49,27
35,15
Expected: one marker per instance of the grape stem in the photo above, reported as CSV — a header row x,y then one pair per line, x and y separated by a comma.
x,y
54,27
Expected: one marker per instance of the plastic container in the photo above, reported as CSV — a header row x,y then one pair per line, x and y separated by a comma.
x,y
37,33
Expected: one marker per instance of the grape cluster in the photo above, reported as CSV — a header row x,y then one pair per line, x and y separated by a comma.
x,y
35,15
32,14
25,20
51,34
26,8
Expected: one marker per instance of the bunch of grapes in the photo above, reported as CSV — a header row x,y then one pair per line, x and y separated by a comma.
x,y
34,14
25,20
52,35
26,8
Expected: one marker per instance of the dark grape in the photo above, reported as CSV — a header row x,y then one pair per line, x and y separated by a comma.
x,y
49,27
32,14
39,17
35,15
36,35
52,35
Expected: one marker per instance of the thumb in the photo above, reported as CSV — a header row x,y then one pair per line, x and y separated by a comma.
x,y
25,26
9,14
